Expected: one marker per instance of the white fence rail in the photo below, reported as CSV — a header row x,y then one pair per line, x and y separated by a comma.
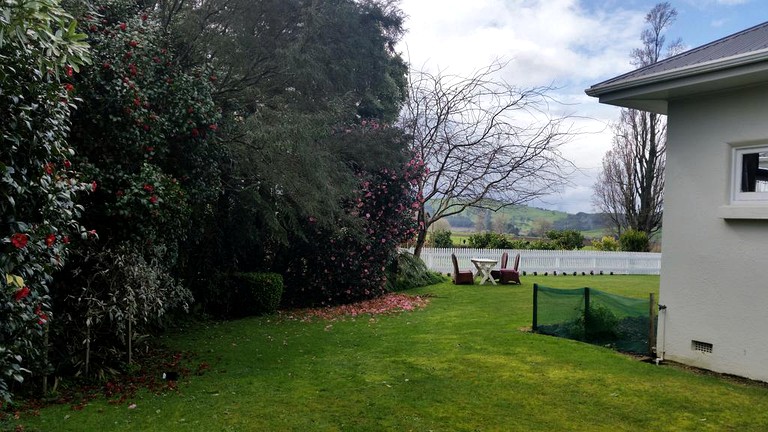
x,y
439,260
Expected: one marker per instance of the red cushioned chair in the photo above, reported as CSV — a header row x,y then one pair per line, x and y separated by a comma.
x,y
505,275
461,277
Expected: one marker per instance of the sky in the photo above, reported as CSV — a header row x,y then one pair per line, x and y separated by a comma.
x,y
569,45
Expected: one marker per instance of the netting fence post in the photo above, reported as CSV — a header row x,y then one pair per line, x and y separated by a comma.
x,y
651,328
534,327
586,312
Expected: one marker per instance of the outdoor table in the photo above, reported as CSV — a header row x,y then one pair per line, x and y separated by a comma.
x,y
484,266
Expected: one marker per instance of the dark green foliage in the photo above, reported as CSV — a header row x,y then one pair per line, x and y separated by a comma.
x,y
40,50
255,293
441,239
598,324
409,271
634,241
566,239
491,240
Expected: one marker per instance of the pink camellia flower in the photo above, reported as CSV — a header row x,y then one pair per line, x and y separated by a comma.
x,y
92,233
50,239
123,26
133,44
93,186
65,239
68,70
67,164
69,87
42,317
195,132
213,127
144,17
149,188
20,294
153,199
19,240
48,168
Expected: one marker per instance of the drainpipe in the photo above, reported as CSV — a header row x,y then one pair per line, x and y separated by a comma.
x,y
663,328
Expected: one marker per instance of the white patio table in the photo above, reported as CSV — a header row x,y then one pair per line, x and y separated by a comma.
x,y
484,266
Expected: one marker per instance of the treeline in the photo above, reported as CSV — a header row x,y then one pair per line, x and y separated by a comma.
x,y
156,153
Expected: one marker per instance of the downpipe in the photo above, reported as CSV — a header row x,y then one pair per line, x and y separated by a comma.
x,y
663,338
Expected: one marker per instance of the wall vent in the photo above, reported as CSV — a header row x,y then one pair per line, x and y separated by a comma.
x,y
701,346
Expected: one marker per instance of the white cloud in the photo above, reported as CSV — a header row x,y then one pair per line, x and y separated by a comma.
x,y
548,42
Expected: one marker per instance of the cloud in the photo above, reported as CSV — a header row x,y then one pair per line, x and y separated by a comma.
x,y
567,44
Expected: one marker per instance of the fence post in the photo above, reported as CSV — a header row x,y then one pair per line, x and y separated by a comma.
x,y
586,311
535,326
651,328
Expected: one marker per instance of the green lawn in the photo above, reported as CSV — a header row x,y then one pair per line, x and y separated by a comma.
x,y
461,364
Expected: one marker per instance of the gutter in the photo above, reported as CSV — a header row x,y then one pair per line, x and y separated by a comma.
x,y
681,72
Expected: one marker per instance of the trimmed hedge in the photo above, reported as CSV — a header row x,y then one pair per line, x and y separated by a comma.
x,y
255,293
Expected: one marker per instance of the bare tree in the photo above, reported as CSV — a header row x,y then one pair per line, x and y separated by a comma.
x,y
630,188
487,144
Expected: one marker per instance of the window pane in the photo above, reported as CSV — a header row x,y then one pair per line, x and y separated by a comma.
x,y
754,172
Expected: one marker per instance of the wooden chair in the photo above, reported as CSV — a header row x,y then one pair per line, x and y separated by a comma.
x,y
461,277
507,275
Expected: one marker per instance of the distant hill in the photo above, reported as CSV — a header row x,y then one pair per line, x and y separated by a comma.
x,y
524,220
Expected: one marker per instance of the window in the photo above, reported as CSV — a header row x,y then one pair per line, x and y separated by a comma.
x,y
750,175
749,182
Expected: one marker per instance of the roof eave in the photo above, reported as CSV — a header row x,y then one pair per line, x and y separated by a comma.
x,y
652,92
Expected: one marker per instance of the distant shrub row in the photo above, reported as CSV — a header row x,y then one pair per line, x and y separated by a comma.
x,y
630,241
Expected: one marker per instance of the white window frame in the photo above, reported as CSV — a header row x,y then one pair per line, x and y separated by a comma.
x,y
744,205
737,196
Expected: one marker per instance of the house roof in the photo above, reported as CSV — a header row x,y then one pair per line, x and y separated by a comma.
x,y
737,60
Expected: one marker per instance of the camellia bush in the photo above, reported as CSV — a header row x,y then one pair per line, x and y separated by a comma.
x,y
144,132
348,263
40,51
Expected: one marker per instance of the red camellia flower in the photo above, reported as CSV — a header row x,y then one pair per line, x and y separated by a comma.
x,y
65,239
123,26
153,199
19,240
133,44
48,168
42,317
136,102
93,186
132,68
150,149
106,65
213,126
50,239
20,294
67,164
69,87
195,132
144,17
68,70
149,188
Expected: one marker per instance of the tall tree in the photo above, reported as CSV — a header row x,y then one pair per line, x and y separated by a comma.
x,y
630,188
487,144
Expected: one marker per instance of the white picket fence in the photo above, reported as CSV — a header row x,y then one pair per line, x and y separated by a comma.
x,y
439,260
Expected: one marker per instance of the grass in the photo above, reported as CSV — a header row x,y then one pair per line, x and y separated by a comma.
x,y
461,364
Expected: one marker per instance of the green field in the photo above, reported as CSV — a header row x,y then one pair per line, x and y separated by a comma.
x,y
464,363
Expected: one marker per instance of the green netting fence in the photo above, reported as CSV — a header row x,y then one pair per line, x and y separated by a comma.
x,y
586,314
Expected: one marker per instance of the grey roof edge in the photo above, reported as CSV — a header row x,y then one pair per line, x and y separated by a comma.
x,y
696,69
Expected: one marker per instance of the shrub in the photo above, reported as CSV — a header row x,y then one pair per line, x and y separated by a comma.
x,y
566,239
441,239
39,54
607,243
490,240
634,241
542,245
409,271
256,293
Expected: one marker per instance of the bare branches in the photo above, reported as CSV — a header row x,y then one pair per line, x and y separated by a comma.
x,y
630,189
487,143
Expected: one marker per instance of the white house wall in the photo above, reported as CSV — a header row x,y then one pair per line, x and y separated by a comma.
x,y
714,275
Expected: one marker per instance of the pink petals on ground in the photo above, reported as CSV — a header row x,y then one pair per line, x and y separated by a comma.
x,y
387,304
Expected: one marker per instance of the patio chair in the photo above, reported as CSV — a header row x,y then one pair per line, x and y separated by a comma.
x,y
461,277
507,275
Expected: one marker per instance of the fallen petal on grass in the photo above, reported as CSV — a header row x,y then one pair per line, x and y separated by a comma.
x,y
387,304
